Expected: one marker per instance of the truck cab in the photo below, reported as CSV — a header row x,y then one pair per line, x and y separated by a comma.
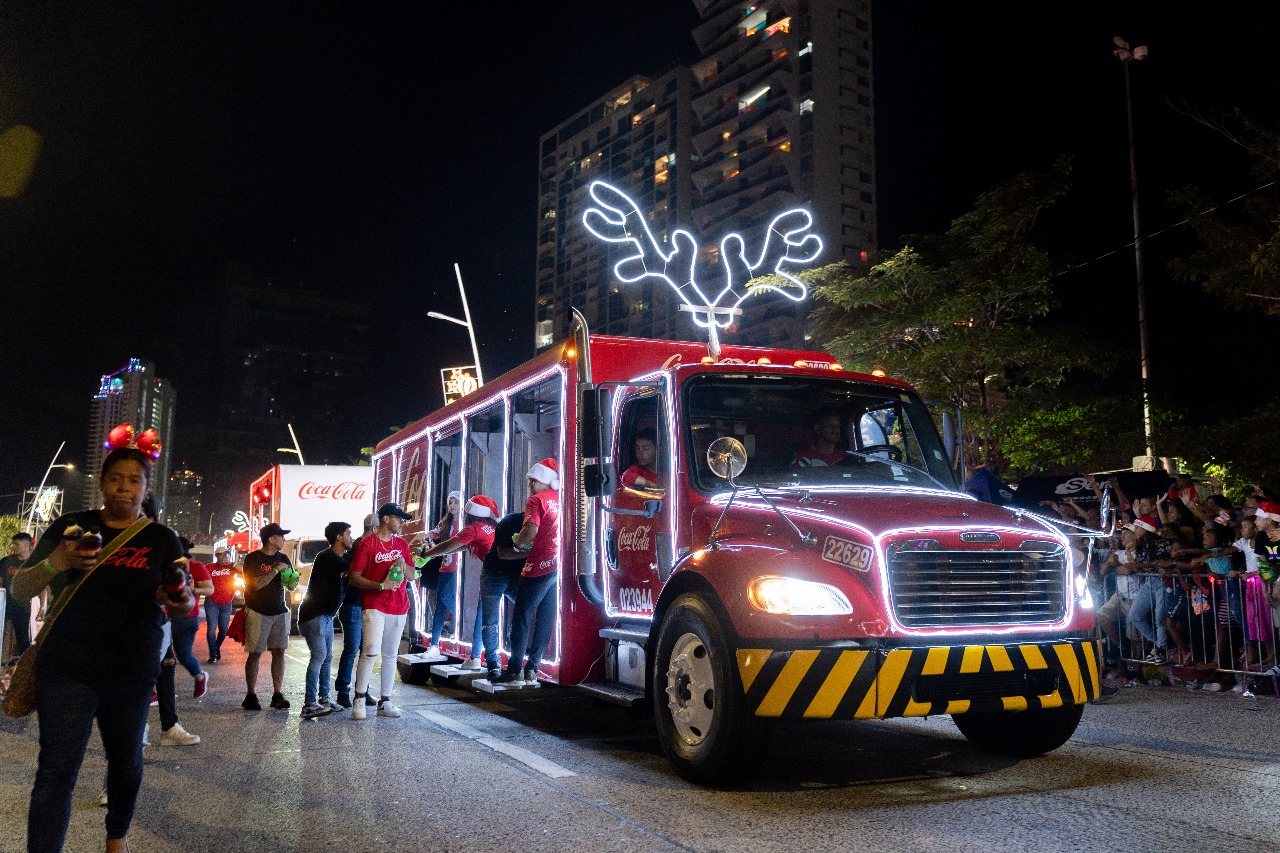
x,y
795,544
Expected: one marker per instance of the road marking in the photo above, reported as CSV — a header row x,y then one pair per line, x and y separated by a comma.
x,y
530,759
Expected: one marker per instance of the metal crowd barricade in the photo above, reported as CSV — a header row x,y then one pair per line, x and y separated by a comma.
x,y
1215,629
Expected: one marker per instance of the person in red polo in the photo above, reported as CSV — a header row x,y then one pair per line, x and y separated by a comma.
x,y
536,597
380,567
217,605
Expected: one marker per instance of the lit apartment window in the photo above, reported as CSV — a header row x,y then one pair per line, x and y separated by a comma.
x,y
752,98
783,26
806,106
808,48
544,333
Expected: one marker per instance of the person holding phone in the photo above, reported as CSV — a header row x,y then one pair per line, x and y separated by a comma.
x,y
100,656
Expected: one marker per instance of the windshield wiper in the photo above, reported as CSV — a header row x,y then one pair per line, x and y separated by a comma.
x,y
869,458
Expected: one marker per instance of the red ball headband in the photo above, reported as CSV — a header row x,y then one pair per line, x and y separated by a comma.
x,y
123,436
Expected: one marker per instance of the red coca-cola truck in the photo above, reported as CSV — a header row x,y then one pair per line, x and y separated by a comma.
x,y
747,582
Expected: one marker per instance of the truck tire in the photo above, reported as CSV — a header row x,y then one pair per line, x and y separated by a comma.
x,y
703,724
1021,734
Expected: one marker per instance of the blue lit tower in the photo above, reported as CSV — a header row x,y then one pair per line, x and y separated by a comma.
x,y
133,394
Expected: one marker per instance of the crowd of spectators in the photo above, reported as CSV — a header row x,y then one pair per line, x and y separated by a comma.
x,y
1186,583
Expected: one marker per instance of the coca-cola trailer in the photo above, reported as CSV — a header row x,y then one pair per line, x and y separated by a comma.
x,y
303,499
745,587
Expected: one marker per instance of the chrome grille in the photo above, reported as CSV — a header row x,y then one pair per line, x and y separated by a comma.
x,y
946,589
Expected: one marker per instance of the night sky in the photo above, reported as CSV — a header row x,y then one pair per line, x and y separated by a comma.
x,y
361,153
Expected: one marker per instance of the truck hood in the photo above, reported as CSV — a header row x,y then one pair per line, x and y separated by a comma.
x,y
872,512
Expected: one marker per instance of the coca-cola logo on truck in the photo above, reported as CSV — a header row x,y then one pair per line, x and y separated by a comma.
x,y
345,491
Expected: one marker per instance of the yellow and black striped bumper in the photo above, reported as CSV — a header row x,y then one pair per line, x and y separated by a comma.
x,y
917,682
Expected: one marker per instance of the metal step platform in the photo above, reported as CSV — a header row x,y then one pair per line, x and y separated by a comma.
x,y
484,685
615,693
455,670
416,669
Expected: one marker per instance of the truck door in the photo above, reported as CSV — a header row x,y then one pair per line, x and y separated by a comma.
x,y
636,522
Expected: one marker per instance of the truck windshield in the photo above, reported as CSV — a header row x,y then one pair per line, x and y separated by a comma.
x,y
810,432
308,550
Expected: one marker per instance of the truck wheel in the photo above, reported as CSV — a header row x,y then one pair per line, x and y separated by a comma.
x,y
703,725
1020,734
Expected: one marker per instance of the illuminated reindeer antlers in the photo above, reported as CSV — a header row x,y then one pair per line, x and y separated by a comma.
x,y
788,244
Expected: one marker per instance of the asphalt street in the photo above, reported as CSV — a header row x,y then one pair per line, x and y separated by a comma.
x,y
1155,768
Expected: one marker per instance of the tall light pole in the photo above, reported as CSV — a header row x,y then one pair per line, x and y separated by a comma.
x,y
471,330
1125,54
40,489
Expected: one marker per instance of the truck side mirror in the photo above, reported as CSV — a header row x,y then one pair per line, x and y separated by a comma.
x,y
598,479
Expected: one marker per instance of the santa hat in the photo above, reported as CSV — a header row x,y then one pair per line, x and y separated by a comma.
x,y
1269,509
482,507
547,471
1146,522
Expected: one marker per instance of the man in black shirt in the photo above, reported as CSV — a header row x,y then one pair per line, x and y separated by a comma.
x,y
266,617
17,611
315,617
499,577
350,616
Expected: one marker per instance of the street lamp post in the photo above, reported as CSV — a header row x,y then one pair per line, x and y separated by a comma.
x,y
53,463
471,330
297,448
1126,54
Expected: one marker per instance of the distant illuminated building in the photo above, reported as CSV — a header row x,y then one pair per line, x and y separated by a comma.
x,y
776,114
184,511
135,395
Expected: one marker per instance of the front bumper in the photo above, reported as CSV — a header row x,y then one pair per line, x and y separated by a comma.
x,y
869,684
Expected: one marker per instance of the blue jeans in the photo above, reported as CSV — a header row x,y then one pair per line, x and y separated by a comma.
x,y
492,589
216,616
67,709
184,637
1148,607
535,599
349,617
318,632
444,599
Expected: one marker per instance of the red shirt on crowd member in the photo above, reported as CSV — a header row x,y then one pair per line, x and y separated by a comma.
x,y
224,582
543,509
478,536
199,572
373,559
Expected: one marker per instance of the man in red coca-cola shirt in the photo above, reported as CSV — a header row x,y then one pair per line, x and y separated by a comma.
x,y
217,605
536,598
380,567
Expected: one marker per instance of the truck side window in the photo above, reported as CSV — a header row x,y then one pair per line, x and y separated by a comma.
x,y
641,451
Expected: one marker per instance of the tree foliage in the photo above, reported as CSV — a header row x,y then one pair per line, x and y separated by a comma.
x,y
10,525
964,315
1238,254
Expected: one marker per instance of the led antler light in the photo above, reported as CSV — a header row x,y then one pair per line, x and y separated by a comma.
x,y
788,245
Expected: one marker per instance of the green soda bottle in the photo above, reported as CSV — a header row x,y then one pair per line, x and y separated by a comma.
x,y
395,575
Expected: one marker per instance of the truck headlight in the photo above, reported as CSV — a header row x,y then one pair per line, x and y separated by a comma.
x,y
774,594
1083,596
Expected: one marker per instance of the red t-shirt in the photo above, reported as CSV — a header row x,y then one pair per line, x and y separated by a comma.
x,y
478,536
635,472
543,509
813,457
199,572
373,559
224,582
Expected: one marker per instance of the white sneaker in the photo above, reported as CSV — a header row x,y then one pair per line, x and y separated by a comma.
x,y
178,736
386,709
357,708
432,651
472,664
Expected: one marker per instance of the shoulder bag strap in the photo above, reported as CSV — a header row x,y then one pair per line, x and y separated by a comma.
x,y
116,544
